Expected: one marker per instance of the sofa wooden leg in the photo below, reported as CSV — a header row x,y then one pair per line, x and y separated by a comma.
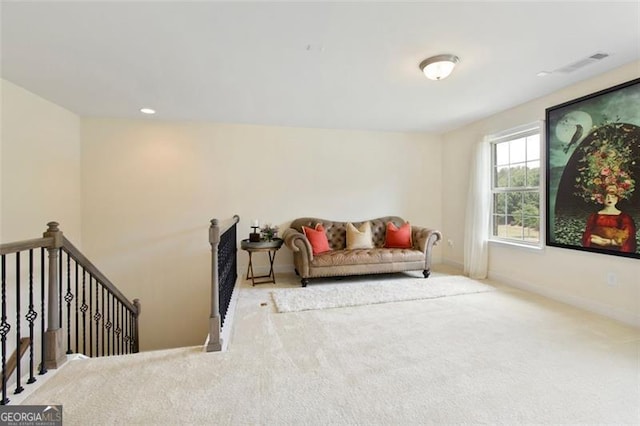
x,y
426,273
296,271
304,282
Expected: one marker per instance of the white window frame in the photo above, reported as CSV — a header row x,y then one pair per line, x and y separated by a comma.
x,y
505,136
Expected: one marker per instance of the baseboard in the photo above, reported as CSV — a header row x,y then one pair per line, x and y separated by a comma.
x,y
286,268
453,263
579,302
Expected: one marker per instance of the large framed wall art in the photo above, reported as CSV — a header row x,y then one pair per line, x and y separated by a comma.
x,y
593,172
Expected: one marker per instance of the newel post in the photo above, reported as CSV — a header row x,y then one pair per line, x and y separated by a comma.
x,y
214,342
54,351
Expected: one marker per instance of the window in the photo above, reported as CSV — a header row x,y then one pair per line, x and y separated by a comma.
x,y
515,185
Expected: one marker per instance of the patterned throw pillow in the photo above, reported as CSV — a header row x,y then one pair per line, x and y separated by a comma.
x,y
398,237
359,238
317,238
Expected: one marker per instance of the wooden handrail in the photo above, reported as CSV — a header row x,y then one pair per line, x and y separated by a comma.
x,y
95,272
9,248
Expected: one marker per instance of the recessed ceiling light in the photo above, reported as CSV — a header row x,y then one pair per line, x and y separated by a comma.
x,y
147,111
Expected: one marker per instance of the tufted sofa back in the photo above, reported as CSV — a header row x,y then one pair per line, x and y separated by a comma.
x,y
337,231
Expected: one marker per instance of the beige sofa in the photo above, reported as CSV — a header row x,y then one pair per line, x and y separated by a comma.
x,y
340,261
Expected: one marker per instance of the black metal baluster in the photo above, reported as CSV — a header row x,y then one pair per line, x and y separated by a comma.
x,y
115,325
43,368
102,300
131,332
68,297
132,319
4,329
31,316
90,316
114,318
114,349
124,329
127,336
97,317
118,327
121,329
118,330
77,328
123,325
83,309
120,334
108,324
19,387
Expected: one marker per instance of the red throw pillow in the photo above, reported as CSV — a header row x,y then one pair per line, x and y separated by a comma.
x,y
317,238
398,237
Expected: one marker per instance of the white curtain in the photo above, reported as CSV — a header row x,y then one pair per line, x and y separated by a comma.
x,y
476,231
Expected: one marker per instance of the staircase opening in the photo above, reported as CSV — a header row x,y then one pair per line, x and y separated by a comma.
x,y
53,294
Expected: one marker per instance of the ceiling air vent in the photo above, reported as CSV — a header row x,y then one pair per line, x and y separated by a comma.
x,y
582,63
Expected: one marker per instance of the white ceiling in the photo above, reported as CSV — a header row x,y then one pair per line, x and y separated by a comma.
x,y
304,64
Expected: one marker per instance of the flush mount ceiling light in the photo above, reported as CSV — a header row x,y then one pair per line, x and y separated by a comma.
x,y
147,111
439,67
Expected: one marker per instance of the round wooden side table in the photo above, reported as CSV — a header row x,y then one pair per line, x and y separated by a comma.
x,y
270,247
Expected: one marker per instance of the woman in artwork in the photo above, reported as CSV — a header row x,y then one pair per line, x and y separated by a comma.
x,y
605,177
610,228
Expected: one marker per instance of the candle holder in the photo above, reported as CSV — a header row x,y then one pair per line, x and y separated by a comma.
x,y
254,237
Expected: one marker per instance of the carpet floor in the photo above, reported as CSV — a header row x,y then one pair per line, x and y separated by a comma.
x,y
497,357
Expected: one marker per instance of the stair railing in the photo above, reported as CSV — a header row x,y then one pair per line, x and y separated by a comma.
x,y
98,318
224,273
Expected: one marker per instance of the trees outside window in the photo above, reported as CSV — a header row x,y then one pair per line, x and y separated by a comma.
x,y
515,185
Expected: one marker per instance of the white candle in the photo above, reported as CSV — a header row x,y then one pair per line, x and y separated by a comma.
x,y
256,223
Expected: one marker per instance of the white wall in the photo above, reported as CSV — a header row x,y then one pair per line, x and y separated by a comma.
x,y
572,276
40,167
150,189
39,183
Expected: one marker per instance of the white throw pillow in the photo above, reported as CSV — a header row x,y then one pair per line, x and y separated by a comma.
x,y
359,238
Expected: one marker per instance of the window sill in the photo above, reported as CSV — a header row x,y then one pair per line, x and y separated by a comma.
x,y
533,246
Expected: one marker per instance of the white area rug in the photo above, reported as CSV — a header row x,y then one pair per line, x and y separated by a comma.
x,y
372,292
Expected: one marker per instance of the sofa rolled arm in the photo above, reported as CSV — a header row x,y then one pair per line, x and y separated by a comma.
x,y
298,243
302,251
424,238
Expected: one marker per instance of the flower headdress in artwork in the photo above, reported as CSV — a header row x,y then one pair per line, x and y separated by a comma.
x,y
605,166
